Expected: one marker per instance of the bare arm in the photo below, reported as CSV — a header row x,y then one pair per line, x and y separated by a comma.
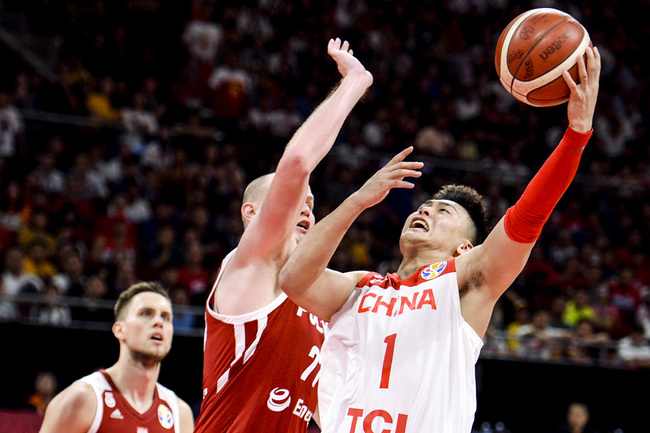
x,y
265,238
304,277
71,411
249,282
187,418
488,270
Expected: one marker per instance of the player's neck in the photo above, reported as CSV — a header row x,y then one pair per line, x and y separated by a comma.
x,y
136,382
410,264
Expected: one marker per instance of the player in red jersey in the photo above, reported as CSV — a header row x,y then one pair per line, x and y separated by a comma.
x,y
126,396
397,341
260,369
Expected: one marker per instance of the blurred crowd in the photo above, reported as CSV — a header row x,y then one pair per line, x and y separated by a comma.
x,y
131,164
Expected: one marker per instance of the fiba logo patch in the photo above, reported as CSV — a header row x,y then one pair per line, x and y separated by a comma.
x,y
279,400
432,271
109,399
165,416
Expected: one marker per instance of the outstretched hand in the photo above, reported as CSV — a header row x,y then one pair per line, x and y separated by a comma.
x,y
390,176
582,101
345,60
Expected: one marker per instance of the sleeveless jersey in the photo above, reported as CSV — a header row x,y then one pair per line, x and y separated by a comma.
x,y
261,369
115,414
400,358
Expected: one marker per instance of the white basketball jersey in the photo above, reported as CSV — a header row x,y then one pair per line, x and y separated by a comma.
x,y
400,357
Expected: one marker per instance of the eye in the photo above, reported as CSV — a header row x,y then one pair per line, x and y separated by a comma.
x,y
146,313
166,317
443,210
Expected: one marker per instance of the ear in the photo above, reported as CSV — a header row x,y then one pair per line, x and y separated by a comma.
x,y
248,211
464,247
118,330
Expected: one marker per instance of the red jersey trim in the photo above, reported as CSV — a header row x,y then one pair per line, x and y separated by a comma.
x,y
425,273
210,305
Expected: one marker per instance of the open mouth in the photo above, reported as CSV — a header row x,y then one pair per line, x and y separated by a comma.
x,y
304,225
157,337
419,224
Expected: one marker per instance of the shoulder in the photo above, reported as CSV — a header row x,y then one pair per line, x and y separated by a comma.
x,y
79,394
186,416
72,410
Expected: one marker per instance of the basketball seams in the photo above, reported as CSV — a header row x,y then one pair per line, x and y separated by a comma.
x,y
525,90
505,71
566,64
532,48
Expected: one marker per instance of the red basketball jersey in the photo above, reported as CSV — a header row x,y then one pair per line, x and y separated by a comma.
x,y
260,370
115,414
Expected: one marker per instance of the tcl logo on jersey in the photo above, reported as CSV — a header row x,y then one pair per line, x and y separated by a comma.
x,y
279,400
377,421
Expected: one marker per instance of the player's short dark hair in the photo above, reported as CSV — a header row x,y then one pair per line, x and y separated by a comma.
x,y
472,202
127,295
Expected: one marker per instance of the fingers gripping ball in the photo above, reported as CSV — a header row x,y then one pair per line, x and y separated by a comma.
x,y
534,50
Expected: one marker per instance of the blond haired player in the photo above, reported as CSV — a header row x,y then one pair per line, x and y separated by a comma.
x,y
126,397
401,350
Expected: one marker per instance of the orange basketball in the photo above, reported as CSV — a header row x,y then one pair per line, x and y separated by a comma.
x,y
534,50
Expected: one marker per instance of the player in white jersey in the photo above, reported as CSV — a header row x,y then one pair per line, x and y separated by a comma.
x,y
401,349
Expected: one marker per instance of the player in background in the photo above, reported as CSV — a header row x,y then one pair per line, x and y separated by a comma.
x,y
401,350
126,396
261,351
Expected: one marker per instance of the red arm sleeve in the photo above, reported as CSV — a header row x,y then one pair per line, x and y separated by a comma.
x,y
524,221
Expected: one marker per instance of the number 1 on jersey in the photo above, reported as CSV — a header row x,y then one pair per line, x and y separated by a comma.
x,y
388,360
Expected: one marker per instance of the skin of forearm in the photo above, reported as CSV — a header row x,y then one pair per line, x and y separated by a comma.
x,y
315,137
316,249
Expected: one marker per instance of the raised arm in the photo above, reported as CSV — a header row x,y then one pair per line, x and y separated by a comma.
x,y
488,270
249,281
304,277
266,236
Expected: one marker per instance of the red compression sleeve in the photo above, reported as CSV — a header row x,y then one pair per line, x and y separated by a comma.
x,y
524,221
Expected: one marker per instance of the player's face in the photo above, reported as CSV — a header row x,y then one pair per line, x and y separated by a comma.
x,y
306,219
437,223
147,327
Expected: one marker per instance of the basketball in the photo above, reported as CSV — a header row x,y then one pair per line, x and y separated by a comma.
x,y
534,50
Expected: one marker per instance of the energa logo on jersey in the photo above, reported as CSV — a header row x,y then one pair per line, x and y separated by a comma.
x,y
432,271
165,416
279,400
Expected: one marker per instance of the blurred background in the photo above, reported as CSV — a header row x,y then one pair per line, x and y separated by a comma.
x,y
129,128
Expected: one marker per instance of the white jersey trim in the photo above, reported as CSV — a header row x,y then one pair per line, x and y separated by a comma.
x,y
99,384
169,397
211,307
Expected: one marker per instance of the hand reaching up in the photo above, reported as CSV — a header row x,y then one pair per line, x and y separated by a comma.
x,y
346,62
390,176
582,101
